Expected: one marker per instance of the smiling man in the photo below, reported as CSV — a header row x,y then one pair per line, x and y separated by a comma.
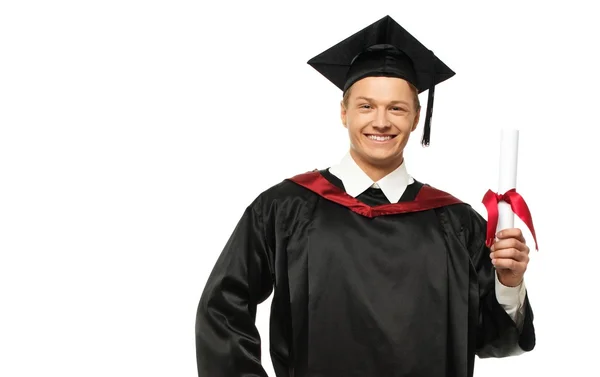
x,y
380,113
372,272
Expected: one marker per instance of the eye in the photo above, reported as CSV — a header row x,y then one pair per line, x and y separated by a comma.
x,y
365,106
397,108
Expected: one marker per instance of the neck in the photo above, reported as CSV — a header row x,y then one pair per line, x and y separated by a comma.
x,y
376,171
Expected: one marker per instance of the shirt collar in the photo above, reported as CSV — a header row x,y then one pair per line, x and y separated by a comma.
x,y
356,181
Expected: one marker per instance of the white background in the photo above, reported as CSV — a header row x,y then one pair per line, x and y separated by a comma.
x,y
134,133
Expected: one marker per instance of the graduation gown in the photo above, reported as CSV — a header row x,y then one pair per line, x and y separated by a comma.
x,y
361,287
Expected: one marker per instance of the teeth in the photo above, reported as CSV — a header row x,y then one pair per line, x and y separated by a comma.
x,y
379,138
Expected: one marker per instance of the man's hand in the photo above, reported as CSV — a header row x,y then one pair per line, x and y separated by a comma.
x,y
510,256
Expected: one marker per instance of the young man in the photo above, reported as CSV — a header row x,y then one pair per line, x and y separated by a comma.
x,y
373,272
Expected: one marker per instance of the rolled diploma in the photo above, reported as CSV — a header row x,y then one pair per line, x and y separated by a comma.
x,y
509,148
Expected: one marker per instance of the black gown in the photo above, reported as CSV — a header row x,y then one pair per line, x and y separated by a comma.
x,y
361,287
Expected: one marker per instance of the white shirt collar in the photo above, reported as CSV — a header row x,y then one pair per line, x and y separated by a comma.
x,y
356,181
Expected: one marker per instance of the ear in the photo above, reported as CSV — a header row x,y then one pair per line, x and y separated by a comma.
x,y
343,113
416,123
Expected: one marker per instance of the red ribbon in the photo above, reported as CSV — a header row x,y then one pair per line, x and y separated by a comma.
x,y
518,206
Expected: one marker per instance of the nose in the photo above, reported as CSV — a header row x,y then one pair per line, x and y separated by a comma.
x,y
381,120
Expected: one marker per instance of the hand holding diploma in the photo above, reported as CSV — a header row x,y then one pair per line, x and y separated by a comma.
x,y
509,251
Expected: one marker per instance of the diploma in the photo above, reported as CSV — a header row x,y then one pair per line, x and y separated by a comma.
x,y
502,206
507,180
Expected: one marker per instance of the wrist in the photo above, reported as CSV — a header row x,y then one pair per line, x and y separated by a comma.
x,y
510,280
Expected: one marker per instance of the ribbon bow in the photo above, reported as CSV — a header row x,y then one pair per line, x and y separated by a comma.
x,y
518,206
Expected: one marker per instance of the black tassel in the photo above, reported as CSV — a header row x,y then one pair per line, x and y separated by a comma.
x,y
427,129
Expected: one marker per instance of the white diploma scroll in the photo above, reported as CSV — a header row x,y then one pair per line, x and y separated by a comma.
x,y
509,148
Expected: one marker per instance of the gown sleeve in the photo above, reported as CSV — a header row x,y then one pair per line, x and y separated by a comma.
x,y
227,340
497,333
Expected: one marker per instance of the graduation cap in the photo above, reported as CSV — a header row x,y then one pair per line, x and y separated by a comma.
x,y
384,48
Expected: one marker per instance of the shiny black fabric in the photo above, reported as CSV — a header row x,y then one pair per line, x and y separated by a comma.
x,y
396,295
381,60
426,69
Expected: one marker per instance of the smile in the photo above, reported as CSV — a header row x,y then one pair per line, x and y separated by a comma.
x,y
380,138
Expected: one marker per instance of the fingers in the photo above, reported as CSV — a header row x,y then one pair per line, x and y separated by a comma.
x,y
517,267
510,253
511,233
510,238
510,243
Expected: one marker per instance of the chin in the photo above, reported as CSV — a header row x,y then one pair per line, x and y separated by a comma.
x,y
380,159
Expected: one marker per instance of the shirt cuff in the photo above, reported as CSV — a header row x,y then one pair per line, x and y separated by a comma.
x,y
512,299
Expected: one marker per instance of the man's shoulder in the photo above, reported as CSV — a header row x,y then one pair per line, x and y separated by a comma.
x,y
288,190
460,209
292,186
466,222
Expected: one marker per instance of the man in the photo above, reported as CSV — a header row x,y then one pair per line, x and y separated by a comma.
x,y
374,274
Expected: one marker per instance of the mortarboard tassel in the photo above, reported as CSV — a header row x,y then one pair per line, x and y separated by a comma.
x,y
429,113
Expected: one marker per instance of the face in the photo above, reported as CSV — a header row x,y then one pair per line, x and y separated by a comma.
x,y
380,116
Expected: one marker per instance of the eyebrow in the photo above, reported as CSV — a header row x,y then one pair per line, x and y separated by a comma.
x,y
391,103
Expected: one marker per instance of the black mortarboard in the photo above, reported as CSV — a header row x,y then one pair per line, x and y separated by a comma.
x,y
384,48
